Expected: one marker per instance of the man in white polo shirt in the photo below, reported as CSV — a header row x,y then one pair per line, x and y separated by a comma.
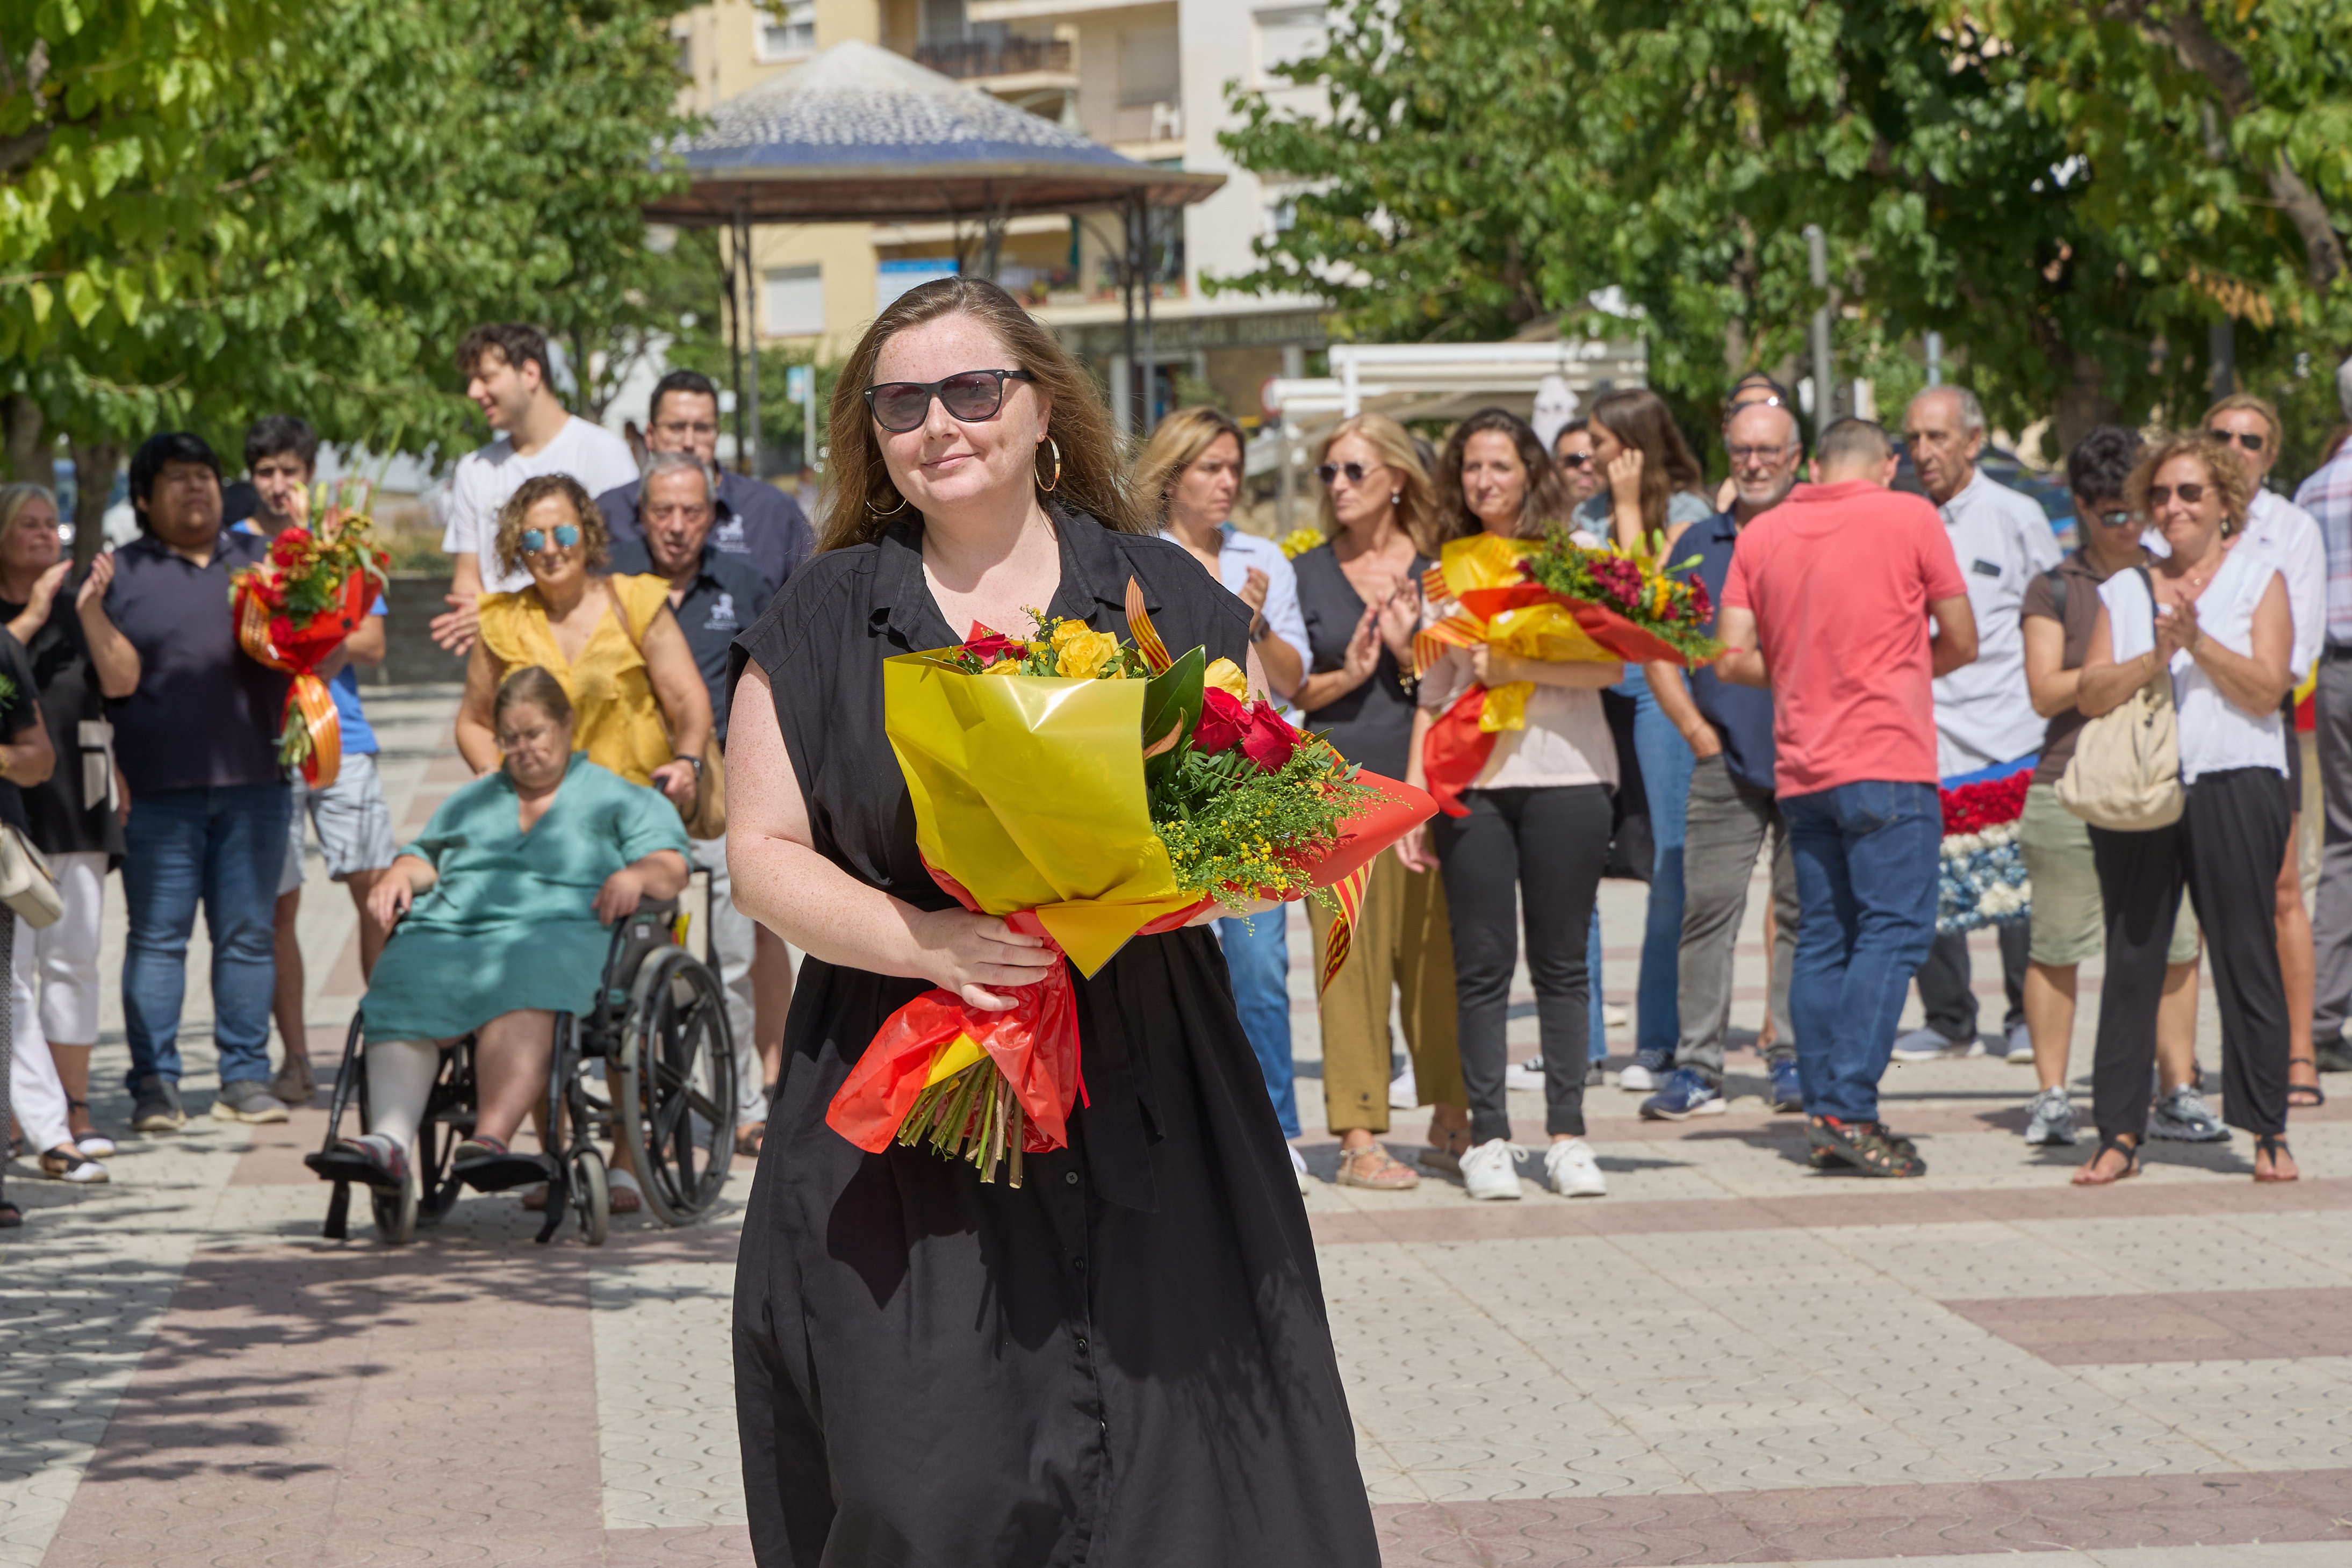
x,y
1984,716
505,367
2290,536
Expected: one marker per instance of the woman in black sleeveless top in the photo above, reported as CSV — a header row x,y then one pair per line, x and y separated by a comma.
x,y
1125,1360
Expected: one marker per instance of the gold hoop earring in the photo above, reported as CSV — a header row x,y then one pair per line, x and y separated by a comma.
x,y
871,510
1048,485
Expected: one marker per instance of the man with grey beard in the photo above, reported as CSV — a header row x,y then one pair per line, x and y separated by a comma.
x,y
1732,809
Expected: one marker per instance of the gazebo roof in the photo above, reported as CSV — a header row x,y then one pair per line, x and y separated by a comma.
x,y
861,134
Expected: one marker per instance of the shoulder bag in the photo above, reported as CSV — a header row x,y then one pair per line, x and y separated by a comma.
x,y
26,884
709,818
2125,774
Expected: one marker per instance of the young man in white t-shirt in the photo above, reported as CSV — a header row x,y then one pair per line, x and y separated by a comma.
x,y
504,366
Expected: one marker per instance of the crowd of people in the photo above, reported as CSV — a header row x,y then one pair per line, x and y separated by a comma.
x,y
136,733
1878,641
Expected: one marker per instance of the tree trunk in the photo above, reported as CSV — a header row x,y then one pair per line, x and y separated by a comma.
x,y
2084,404
94,465
28,455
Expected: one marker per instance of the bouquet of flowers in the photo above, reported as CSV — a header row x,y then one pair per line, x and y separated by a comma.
x,y
1090,790
295,608
1980,877
1553,600
1298,541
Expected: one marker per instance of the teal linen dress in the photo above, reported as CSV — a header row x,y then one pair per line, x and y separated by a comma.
x,y
509,925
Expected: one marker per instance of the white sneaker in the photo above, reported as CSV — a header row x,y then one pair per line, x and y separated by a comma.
x,y
1489,1169
1528,1074
1404,1093
1299,1163
1635,1078
1572,1171
2021,1047
1925,1045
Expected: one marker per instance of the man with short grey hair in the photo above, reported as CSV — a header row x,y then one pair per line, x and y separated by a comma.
x,y
1733,812
1985,720
714,596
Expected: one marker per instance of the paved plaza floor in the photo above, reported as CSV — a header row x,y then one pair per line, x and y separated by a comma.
x,y
1729,1359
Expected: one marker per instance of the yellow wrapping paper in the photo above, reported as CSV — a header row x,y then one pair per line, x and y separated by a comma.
x,y
1475,574
1025,820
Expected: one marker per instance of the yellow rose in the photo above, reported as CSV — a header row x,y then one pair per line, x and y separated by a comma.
x,y
1065,632
1227,677
1003,666
1082,657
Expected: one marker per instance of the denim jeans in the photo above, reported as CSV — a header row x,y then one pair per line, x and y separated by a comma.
x,y
1259,961
1667,760
1598,1049
224,847
1866,857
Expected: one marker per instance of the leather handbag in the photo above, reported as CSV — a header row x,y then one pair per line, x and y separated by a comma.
x,y
709,818
26,884
2125,774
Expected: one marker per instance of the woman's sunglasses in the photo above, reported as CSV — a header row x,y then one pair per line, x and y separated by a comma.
x,y
1330,472
535,540
2191,494
972,395
2246,438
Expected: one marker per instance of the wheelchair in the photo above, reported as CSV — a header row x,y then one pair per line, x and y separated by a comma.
x,y
666,1093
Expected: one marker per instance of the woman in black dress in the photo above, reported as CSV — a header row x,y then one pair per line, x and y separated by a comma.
x,y
1124,1362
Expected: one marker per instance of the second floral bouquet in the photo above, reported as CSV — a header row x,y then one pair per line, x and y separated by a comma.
x,y
1090,790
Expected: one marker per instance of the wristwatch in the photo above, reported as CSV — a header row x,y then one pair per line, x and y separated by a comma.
x,y
694,763
1260,629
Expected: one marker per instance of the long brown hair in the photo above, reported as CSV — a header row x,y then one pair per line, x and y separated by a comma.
x,y
1416,504
1546,499
1640,418
1176,445
861,502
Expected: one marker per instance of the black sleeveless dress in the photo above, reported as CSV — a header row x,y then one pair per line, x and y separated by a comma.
x,y
1126,1362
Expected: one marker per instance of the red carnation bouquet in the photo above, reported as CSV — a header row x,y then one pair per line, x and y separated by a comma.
x,y
1090,790
295,608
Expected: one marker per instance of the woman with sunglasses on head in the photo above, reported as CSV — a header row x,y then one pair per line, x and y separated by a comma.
x,y
1653,496
2069,922
1360,592
2214,622
1190,474
1535,836
1124,1359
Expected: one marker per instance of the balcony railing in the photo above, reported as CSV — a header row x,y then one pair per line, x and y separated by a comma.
x,y
1013,56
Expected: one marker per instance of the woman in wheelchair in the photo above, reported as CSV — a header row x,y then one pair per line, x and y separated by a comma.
x,y
507,898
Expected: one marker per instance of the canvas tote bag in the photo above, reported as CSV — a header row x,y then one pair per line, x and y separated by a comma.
x,y
2125,772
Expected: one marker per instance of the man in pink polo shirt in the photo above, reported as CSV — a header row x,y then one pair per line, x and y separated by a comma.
x,y
1829,603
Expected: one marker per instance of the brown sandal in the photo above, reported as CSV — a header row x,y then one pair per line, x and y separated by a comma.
x,y
1374,1167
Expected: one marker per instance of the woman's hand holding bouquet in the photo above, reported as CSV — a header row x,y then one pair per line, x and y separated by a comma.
x,y
1083,790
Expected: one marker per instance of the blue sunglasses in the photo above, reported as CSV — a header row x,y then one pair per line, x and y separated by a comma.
x,y
534,540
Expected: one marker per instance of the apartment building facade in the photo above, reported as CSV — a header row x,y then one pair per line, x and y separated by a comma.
x,y
1148,81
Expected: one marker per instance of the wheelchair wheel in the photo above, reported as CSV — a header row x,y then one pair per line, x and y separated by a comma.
x,y
448,1117
395,1212
592,1195
674,1095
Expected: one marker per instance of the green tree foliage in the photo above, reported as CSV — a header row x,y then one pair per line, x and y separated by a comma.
x,y
2033,180
329,197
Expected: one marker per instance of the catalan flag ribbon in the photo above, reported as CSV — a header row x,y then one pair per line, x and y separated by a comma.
x,y
1350,892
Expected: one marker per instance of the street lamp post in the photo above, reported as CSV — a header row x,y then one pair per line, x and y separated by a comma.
x,y
1817,251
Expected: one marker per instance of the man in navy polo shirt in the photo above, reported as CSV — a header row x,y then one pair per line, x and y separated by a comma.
x,y
1732,811
715,597
756,524
196,745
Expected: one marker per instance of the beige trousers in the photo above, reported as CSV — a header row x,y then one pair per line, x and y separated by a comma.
x,y
1401,943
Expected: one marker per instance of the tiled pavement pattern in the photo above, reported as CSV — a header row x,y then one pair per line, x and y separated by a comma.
x,y
1729,1360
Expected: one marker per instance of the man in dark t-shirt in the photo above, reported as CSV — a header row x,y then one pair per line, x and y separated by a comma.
x,y
716,598
197,744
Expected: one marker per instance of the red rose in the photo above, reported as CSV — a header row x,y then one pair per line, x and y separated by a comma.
x,y
1267,740
1223,721
994,646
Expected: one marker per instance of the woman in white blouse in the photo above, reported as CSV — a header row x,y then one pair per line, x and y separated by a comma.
x,y
1536,835
2219,621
